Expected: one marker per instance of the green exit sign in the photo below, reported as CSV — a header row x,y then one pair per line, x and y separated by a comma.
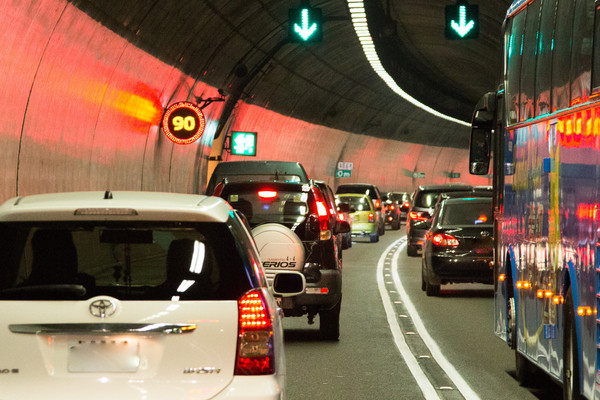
x,y
462,21
305,25
243,143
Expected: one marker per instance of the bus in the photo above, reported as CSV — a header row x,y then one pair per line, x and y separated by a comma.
x,y
539,131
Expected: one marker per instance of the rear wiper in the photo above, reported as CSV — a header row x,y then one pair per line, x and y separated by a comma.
x,y
54,292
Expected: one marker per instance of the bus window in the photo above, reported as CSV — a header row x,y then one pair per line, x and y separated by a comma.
x,y
581,56
528,60
562,51
596,66
544,58
513,66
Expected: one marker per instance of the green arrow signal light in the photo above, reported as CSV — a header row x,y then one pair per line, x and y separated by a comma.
x,y
462,28
462,21
305,25
305,32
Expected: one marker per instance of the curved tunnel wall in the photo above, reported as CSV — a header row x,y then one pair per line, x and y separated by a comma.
x,y
82,106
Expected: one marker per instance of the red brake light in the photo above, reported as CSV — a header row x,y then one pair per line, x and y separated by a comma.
x,y
443,240
407,204
267,194
416,215
255,336
321,209
371,217
341,217
391,207
377,203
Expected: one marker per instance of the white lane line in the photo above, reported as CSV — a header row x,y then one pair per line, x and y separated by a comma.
x,y
433,347
412,363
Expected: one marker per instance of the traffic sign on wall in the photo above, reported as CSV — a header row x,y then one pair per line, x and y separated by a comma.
x,y
243,143
183,122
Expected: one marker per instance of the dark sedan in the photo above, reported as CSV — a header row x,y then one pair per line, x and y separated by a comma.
x,y
458,247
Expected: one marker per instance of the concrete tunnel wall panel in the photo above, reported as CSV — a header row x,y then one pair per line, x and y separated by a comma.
x,y
82,110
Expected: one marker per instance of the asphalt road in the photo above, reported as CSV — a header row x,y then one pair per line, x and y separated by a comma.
x,y
397,343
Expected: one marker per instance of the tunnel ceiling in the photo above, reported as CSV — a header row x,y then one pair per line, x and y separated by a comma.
x,y
240,47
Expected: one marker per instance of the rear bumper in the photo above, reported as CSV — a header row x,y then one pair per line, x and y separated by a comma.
x,y
461,269
260,387
415,237
363,229
323,294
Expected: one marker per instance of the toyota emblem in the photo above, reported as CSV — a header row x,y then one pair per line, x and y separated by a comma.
x,y
103,308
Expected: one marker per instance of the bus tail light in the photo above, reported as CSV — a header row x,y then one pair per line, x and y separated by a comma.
x,y
523,285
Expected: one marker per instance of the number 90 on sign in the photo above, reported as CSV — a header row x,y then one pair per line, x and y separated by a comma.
x,y
183,122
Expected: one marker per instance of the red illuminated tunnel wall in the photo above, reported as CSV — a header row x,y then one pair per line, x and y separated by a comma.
x,y
81,109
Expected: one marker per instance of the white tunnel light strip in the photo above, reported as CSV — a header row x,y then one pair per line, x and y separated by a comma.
x,y
359,20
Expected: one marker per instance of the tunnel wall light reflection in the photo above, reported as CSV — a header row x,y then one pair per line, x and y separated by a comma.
x,y
359,20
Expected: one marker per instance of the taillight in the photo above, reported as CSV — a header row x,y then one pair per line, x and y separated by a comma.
x,y
407,205
321,209
371,217
267,194
444,240
341,217
377,203
416,215
391,207
255,336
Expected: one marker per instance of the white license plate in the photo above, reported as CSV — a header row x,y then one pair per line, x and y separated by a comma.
x,y
103,355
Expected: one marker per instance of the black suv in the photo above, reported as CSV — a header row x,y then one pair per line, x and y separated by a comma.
x,y
373,192
302,208
420,211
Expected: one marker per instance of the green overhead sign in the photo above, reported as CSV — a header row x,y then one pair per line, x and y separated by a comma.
x,y
305,25
462,21
243,143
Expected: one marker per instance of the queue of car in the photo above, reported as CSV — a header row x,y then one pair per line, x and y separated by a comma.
x,y
137,272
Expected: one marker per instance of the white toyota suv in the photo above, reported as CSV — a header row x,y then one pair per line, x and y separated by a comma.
x,y
136,295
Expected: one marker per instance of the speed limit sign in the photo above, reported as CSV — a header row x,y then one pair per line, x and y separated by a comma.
x,y
183,122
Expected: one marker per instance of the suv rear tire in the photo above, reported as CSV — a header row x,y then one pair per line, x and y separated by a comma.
x,y
329,322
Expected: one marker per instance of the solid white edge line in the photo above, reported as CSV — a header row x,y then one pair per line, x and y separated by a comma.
x,y
452,373
412,363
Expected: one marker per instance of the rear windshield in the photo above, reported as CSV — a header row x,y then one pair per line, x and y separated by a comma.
x,y
358,189
428,198
466,213
146,261
359,203
262,205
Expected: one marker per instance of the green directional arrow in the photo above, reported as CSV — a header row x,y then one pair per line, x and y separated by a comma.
x,y
462,27
462,21
305,25
305,32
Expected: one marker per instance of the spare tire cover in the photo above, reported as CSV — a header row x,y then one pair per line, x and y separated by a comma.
x,y
279,248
